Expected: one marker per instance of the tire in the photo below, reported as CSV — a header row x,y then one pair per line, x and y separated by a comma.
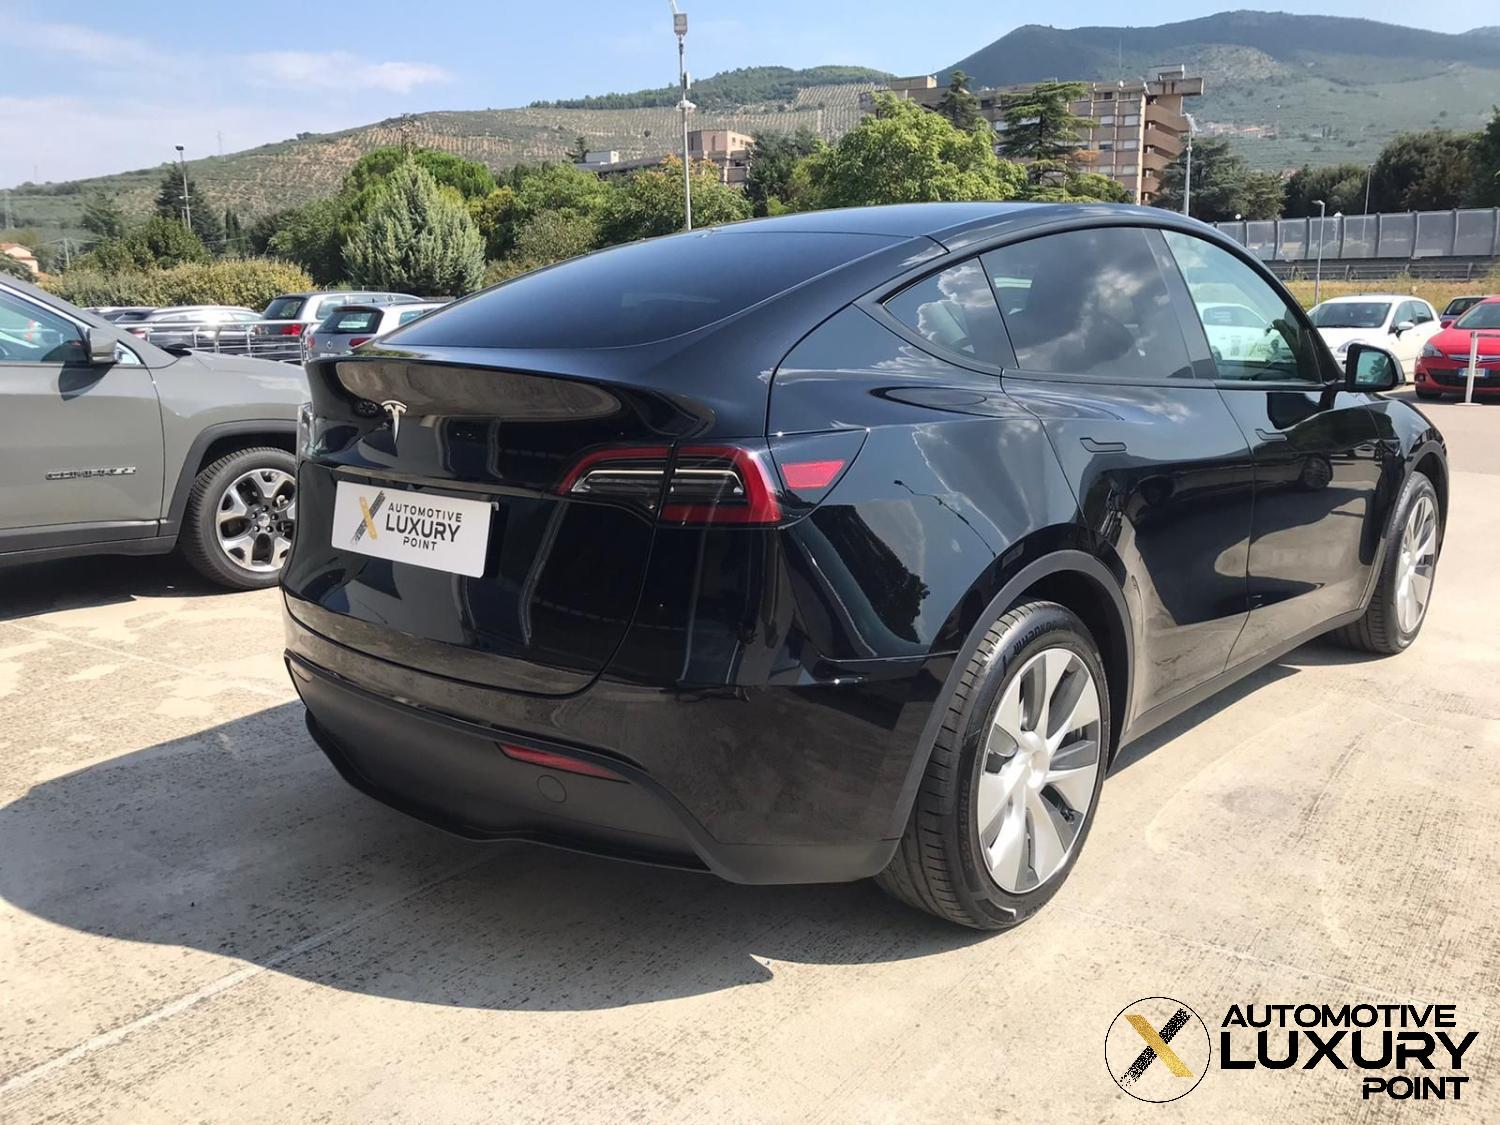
x,y
256,560
1387,627
940,865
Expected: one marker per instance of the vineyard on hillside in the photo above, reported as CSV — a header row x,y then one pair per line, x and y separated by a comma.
x,y
291,172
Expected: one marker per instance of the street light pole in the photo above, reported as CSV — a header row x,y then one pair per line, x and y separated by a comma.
x,y
679,27
187,207
1187,174
1318,276
1369,171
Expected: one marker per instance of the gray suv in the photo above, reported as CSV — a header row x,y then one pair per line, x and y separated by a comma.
x,y
110,445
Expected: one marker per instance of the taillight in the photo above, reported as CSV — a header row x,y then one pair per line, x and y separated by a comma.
x,y
309,341
703,484
551,760
358,340
292,329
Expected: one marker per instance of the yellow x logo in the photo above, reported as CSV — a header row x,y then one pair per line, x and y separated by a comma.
x,y
1156,1046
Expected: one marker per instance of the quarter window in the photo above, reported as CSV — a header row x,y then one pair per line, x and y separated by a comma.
x,y
1263,340
1089,302
955,310
30,333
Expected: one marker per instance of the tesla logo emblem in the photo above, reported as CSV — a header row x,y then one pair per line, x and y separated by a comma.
x,y
394,409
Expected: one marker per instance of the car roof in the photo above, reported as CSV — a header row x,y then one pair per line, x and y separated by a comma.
x,y
1352,297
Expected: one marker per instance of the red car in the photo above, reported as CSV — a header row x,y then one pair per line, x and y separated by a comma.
x,y
1457,307
1442,366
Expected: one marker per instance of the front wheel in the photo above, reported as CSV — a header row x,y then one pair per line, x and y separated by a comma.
x,y
1013,782
1404,590
240,517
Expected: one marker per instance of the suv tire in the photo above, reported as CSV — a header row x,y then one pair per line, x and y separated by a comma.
x,y
985,790
240,516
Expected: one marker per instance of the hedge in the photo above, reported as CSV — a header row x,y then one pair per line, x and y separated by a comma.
x,y
248,282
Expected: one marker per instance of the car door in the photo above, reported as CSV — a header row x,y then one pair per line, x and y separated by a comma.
x,y
1316,454
1424,326
1162,474
80,444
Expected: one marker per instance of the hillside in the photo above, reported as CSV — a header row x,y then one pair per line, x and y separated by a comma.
x,y
750,85
1287,89
280,175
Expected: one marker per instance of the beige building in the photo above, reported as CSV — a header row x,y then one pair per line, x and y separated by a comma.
x,y
23,255
1136,126
728,150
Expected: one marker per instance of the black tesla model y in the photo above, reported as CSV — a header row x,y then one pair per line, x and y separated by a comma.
x,y
842,544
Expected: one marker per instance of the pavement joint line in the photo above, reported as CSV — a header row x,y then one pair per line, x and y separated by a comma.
x,y
104,1040
50,634
1243,955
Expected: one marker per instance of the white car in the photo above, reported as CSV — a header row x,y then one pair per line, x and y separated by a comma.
x,y
1398,323
1235,331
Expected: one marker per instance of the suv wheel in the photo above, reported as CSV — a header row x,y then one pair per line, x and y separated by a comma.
x,y
1404,589
1013,782
240,518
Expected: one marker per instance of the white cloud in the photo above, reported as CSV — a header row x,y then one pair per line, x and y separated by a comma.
x,y
98,47
339,70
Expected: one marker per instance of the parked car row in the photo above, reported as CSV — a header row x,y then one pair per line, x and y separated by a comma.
x,y
277,332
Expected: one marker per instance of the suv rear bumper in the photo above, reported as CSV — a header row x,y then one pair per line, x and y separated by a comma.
x,y
761,785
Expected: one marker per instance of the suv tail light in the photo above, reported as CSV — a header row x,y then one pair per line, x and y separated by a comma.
x,y
292,329
703,484
356,341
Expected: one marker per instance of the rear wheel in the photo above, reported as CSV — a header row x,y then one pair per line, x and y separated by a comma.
x,y
240,517
1408,569
1013,782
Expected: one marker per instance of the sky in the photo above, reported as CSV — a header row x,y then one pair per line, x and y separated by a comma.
x,y
91,86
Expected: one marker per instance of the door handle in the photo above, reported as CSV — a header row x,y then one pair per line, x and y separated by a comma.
x,y
1270,435
1102,446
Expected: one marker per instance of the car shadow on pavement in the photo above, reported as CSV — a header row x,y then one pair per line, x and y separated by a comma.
x,y
242,841
96,581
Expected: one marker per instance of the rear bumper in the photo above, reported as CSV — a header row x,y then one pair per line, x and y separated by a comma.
x,y
758,785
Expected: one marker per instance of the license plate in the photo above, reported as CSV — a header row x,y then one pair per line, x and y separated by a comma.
x,y
422,528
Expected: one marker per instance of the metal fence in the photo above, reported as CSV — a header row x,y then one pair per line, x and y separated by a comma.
x,y
1409,235
263,341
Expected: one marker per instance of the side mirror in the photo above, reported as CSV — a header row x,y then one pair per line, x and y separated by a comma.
x,y
1404,326
101,346
1368,368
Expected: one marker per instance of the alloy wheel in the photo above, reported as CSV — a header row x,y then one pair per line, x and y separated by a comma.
x,y
256,516
1415,564
1041,760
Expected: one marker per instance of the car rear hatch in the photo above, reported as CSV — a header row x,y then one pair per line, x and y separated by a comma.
x,y
561,414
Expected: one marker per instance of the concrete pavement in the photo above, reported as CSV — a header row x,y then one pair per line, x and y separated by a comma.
x,y
200,922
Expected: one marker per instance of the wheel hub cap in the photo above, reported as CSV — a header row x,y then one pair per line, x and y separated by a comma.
x,y
1041,761
256,517
1415,564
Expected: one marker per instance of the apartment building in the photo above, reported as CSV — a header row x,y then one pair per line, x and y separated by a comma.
x,y
1137,126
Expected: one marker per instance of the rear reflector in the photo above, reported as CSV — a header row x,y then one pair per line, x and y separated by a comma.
x,y
356,341
562,763
810,474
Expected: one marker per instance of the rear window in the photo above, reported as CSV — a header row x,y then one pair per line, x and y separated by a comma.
x,y
283,308
1480,316
351,320
639,293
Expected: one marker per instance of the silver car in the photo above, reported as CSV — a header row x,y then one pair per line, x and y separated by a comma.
x,y
347,328
214,328
278,333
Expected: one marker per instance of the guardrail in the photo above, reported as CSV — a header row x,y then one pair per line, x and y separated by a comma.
x,y
1400,235
243,338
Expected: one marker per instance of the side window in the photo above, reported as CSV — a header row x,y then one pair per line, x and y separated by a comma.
x,y
1274,347
955,310
30,333
1089,302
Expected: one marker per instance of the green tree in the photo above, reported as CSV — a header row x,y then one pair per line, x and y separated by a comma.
x,y
905,154
495,217
415,238
558,187
164,242
1040,124
12,268
1340,186
773,163
169,205
553,236
1427,171
649,202
236,238
1071,186
103,217
1484,165
959,106
467,177
1223,185
580,150
312,236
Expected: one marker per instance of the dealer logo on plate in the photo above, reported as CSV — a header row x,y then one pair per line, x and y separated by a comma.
x,y
447,533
